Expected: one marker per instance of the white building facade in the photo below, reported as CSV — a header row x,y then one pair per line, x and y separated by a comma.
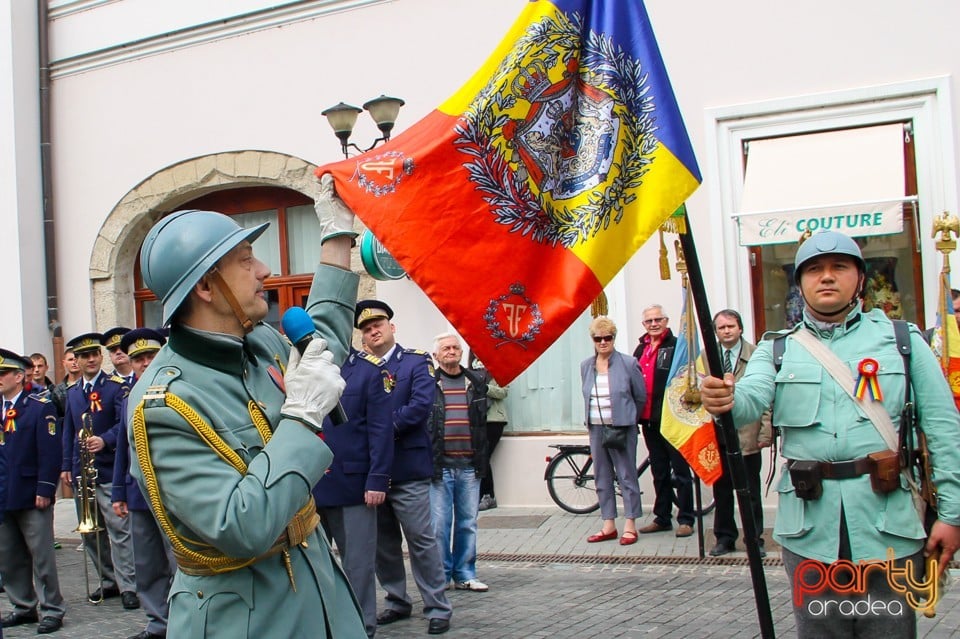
x,y
800,117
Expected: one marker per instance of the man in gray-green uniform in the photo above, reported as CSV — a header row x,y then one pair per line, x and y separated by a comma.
x,y
225,430
828,509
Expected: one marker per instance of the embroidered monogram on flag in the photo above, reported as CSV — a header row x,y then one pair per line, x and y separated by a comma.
x,y
513,318
381,174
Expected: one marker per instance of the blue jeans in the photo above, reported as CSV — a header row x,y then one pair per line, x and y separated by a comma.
x,y
453,503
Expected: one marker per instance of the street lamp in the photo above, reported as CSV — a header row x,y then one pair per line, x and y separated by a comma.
x,y
342,117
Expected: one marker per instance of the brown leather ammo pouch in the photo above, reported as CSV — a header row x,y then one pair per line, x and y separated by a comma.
x,y
884,471
806,478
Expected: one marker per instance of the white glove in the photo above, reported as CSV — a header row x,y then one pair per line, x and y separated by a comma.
x,y
336,219
313,384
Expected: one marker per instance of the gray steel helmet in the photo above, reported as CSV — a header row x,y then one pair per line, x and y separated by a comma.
x,y
826,243
182,247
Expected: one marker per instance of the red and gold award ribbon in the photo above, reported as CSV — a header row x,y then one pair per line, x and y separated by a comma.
x,y
868,381
95,405
9,421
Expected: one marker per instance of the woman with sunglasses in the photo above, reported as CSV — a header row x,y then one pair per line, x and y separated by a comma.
x,y
614,393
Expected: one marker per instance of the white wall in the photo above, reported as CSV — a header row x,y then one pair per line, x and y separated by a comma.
x,y
23,321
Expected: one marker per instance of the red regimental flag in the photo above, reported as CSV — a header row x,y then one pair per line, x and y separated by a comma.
x,y
516,201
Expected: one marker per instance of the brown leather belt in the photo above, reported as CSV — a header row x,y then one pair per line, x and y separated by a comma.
x,y
843,469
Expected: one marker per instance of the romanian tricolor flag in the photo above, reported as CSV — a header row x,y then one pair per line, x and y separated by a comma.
x,y
945,340
684,422
516,201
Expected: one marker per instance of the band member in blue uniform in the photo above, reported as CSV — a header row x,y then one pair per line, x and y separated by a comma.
x,y
101,396
32,449
152,554
357,481
406,512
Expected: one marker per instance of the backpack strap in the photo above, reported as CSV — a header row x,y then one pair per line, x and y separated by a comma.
x,y
908,443
901,330
779,346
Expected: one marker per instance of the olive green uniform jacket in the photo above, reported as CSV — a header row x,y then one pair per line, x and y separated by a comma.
x,y
819,421
227,387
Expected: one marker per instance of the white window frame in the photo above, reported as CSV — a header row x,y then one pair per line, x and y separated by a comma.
x,y
926,103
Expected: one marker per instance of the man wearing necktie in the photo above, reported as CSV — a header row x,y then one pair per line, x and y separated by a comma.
x,y
735,351
31,444
101,396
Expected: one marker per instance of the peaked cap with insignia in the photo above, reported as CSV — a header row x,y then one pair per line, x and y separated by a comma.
x,y
142,340
86,343
111,339
10,361
369,310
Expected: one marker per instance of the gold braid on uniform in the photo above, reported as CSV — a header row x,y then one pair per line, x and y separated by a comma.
x,y
260,421
194,561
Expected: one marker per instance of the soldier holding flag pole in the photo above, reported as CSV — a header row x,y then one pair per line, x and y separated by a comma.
x,y
845,497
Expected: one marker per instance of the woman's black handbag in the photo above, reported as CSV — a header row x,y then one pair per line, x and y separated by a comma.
x,y
614,437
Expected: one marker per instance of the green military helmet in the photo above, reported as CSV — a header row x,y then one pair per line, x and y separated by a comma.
x,y
182,247
827,243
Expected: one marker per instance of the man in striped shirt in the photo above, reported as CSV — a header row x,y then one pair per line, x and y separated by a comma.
x,y
459,437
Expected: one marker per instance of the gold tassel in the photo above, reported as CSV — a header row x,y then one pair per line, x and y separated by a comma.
x,y
664,261
599,306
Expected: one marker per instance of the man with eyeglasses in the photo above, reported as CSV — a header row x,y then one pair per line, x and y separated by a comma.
x,y
655,354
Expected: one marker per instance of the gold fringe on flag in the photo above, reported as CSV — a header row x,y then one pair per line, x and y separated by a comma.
x,y
599,306
674,224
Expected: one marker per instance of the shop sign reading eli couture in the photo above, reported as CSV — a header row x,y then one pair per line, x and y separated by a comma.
x,y
780,227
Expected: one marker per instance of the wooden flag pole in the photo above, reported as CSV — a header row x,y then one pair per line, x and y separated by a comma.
x,y
734,460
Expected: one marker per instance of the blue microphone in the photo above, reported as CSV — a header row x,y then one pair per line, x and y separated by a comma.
x,y
300,330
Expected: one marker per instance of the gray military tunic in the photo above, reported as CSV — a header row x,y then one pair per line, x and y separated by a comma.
x,y
207,405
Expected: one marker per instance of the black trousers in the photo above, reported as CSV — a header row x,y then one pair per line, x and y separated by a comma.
x,y
724,517
668,467
494,432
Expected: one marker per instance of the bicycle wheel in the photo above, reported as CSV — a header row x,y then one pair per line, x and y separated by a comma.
x,y
570,483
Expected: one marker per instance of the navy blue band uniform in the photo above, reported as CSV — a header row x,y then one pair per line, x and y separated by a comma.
x,y
30,446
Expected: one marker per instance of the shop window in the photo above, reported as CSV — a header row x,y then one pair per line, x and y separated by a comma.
x,y
547,397
859,181
289,246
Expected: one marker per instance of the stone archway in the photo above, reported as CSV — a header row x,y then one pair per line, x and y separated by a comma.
x,y
118,243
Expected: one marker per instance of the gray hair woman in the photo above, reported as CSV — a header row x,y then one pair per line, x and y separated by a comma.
x,y
614,395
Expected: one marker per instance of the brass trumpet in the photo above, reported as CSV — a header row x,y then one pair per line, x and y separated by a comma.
x,y
89,518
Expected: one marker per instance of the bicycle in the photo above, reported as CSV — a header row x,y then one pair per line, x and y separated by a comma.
x,y
570,481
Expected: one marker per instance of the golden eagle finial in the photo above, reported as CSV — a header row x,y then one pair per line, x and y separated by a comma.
x,y
948,226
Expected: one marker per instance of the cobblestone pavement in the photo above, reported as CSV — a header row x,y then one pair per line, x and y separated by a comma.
x,y
531,599
572,591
